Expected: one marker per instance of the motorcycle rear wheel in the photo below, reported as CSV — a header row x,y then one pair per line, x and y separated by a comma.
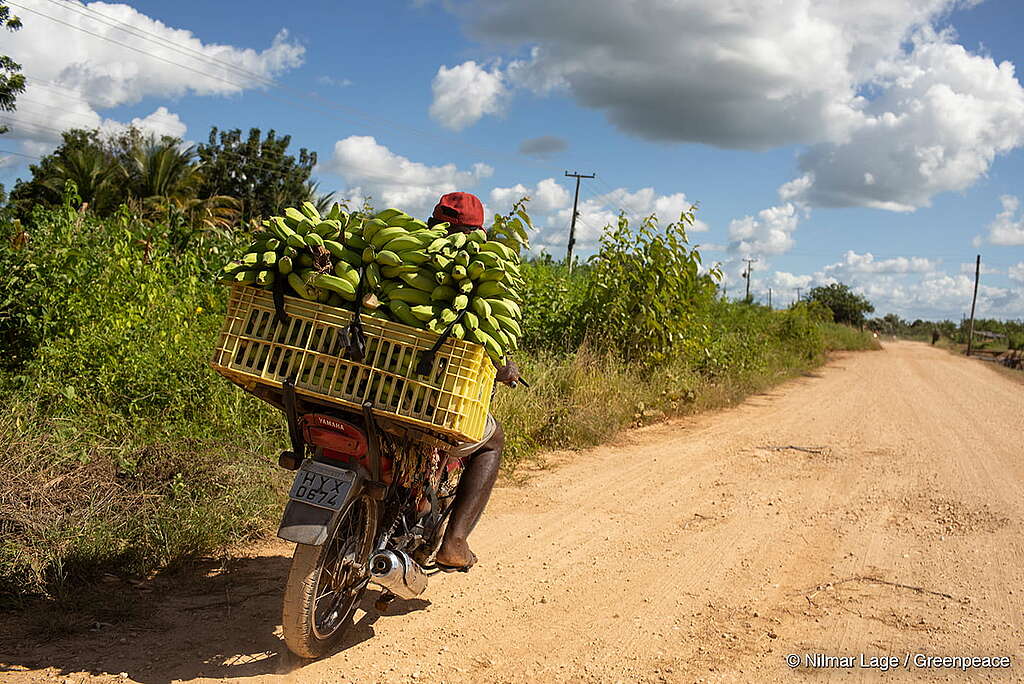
x,y
326,583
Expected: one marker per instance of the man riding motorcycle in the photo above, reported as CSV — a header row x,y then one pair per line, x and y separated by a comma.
x,y
465,213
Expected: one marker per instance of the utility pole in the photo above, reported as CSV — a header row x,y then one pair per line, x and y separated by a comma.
x,y
769,299
747,275
974,299
575,203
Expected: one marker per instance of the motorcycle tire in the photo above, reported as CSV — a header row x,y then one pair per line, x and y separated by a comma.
x,y
326,583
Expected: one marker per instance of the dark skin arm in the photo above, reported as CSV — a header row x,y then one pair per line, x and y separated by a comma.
x,y
508,373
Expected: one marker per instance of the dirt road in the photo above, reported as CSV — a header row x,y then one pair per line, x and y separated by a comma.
x,y
874,506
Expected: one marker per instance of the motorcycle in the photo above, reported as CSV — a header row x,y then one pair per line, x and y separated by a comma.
x,y
369,504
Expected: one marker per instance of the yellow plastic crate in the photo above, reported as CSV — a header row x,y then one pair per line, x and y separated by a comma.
x,y
255,349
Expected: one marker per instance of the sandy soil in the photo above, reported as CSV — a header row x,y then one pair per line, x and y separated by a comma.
x,y
874,506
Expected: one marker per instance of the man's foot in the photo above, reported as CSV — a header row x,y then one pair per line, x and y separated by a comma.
x,y
455,554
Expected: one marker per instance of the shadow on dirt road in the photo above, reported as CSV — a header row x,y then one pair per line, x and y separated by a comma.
x,y
213,620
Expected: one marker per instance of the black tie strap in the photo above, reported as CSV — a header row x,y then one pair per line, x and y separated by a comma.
x,y
426,362
356,347
279,315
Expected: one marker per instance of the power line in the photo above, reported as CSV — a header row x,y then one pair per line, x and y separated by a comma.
x,y
355,112
19,154
278,168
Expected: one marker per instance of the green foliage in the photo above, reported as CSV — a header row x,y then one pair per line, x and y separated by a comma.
x,y
644,288
106,171
553,300
161,169
107,326
257,171
846,306
105,333
12,82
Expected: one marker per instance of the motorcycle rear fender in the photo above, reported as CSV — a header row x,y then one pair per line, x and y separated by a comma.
x,y
304,523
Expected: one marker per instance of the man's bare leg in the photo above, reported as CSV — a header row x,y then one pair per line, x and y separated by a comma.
x,y
470,500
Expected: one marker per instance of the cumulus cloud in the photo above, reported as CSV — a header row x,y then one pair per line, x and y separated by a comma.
x,y
465,93
547,196
1008,226
599,211
770,232
784,281
543,147
371,169
941,295
853,262
73,75
159,123
911,287
968,268
943,117
740,74
893,110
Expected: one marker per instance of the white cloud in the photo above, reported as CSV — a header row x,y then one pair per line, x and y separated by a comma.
x,y
547,196
895,111
371,169
1008,226
599,211
771,232
333,81
866,263
159,123
943,117
466,92
739,74
73,75
785,280
968,269
943,295
909,286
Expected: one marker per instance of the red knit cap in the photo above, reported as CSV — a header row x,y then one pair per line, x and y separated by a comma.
x,y
460,208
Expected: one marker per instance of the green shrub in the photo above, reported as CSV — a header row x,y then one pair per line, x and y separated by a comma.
x,y
121,451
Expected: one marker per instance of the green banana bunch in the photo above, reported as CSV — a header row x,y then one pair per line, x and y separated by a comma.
x,y
468,283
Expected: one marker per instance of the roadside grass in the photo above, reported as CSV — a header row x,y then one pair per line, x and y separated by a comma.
x,y
83,498
121,452
581,400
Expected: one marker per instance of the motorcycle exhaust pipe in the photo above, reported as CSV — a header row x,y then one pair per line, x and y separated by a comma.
x,y
397,573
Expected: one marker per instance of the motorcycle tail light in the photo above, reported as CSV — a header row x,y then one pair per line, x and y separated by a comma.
x,y
334,435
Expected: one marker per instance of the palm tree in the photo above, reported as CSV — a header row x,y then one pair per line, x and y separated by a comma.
x,y
161,169
322,202
94,174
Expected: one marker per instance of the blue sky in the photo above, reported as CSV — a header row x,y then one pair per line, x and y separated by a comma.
x,y
878,145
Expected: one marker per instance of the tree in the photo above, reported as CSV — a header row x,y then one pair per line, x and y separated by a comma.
x,y
258,171
82,157
161,169
107,170
846,306
12,82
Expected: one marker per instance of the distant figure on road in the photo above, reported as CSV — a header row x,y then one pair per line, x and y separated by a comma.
x,y
935,337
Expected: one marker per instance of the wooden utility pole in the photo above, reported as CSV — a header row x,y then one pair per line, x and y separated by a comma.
x,y
974,299
747,276
769,298
575,203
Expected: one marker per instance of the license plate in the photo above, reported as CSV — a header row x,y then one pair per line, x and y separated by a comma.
x,y
321,485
